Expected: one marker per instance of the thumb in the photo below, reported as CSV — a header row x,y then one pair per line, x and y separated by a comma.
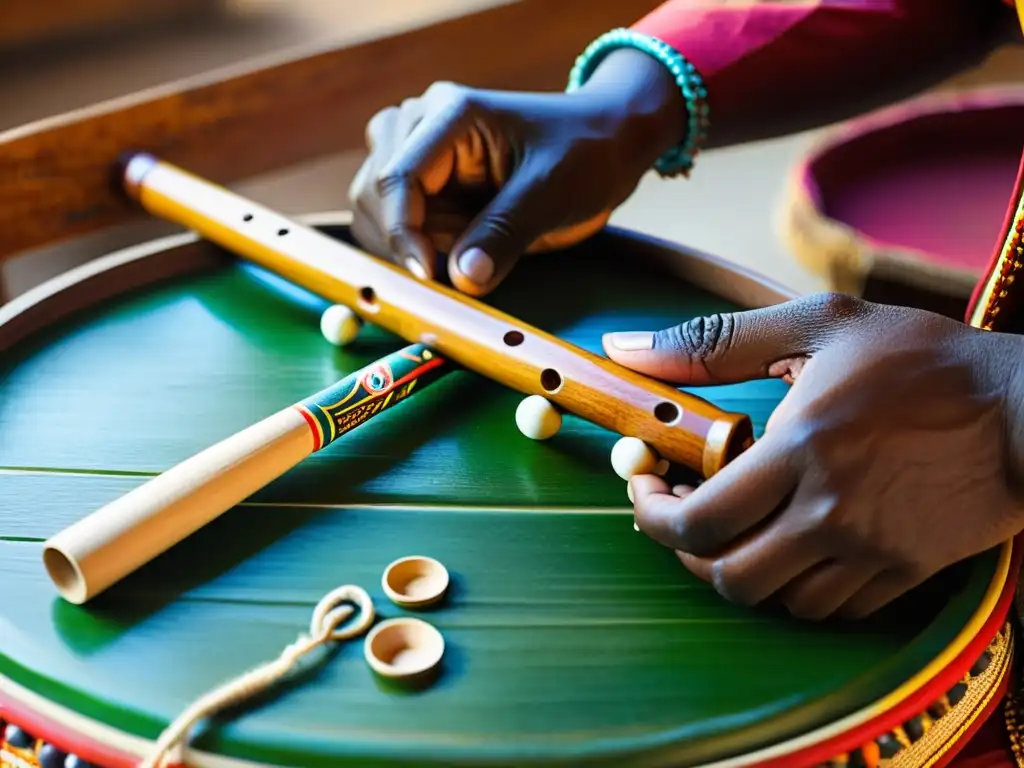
x,y
738,346
520,213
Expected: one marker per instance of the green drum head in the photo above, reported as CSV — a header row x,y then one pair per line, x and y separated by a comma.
x,y
570,638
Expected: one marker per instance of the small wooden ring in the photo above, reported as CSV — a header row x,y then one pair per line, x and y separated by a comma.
x,y
415,581
403,648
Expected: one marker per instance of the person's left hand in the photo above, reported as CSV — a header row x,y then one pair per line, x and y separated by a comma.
x,y
896,452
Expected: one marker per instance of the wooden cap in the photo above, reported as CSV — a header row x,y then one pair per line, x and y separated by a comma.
x,y
415,582
403,648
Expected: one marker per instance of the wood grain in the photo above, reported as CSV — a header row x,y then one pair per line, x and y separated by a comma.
x,y
681,427
260,116
28,22
290,357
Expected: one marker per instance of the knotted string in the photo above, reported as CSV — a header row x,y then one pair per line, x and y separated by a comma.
x,y
324,627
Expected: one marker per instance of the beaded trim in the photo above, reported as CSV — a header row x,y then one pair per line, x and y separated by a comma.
x,y
679,159
1003,275
924,740
20,749
918,743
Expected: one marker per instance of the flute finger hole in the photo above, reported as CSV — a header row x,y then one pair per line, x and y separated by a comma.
x,y
666,412
247,217
282,232
368,298
550,379
514,338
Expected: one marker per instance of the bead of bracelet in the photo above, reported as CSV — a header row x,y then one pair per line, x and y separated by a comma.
x,y
679,159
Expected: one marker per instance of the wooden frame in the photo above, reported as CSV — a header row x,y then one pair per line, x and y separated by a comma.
x,y
240,121
988,637
27,22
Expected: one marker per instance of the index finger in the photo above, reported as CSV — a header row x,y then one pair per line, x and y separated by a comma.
x,y
705,520
422,164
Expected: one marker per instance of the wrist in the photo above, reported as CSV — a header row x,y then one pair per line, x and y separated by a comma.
x,y
658,91
645,107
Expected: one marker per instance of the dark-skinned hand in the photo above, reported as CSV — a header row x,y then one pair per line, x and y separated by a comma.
x,y
487,176
895,453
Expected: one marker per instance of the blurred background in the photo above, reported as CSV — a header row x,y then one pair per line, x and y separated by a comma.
x,y
60,55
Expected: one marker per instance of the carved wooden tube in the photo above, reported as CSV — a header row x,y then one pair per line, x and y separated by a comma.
x,y
101,549
683,428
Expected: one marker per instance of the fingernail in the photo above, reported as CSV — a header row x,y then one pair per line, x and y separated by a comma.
x,y
633,341
476,265
414,266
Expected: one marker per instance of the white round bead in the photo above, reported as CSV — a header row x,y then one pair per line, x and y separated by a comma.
x,y
632,456
340,325
537,418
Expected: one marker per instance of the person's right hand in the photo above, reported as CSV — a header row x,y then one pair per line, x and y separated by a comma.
x,y
486,176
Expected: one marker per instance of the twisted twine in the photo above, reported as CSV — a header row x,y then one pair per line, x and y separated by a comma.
x,y
325,626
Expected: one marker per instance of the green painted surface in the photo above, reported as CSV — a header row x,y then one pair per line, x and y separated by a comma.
x,y
570,637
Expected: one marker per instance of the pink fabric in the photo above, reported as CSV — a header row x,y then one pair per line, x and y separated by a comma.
x,y
906,178
762,59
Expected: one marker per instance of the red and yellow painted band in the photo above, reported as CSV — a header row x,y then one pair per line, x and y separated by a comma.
x,y
314,427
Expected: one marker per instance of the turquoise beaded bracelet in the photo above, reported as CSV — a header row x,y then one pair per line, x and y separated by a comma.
x,y
679,159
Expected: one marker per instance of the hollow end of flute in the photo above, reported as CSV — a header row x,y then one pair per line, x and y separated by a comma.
x,y
131,168
66,575
728,437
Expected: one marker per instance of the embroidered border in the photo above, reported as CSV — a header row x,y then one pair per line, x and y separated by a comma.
x,y
1003,275
924,740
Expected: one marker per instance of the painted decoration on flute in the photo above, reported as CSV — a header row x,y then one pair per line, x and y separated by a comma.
x,y
355,399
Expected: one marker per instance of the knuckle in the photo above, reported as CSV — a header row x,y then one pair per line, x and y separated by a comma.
x,y
501,224
701,337
376,124
730,585
835,305
842,526
696,534
441,88
832,519
391,182
450,98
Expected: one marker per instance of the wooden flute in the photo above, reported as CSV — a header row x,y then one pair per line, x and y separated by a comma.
x,y
104,547
681,427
